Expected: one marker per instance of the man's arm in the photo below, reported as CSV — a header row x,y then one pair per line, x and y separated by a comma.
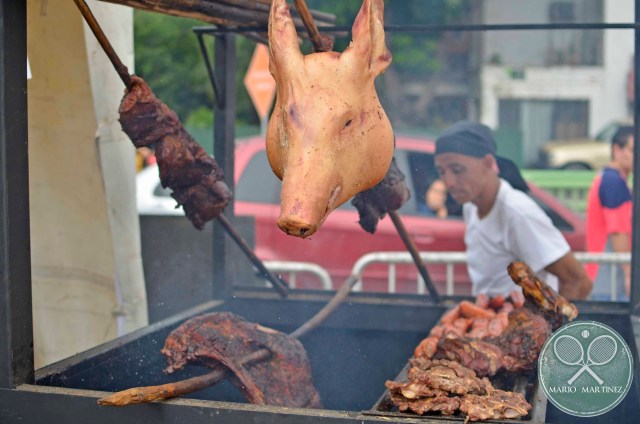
x,y
620,244
573,280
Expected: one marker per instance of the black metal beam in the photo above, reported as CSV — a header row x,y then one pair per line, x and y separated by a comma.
x,y
635,224
436,28
224,136
16,325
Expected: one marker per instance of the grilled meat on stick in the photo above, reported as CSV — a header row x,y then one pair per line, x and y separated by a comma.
x,y
193,176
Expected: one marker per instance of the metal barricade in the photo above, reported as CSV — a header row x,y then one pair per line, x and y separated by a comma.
x,y
391,259
294,268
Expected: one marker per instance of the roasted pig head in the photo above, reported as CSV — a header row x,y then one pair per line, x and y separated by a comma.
x,y
328,137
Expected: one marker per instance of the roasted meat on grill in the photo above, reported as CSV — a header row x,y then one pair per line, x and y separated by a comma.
x,y
447,386
222,339
555,306
194,177
498,404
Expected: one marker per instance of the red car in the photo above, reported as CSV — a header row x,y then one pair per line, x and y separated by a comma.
x,y
340,241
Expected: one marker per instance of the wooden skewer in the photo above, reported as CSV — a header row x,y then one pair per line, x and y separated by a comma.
x,y
321,43
104,42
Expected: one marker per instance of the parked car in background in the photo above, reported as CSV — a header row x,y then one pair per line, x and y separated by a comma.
x,y
580,153
340,241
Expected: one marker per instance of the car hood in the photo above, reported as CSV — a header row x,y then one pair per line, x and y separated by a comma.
x,y
568,143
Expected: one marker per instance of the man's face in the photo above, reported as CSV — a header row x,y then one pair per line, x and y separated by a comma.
x,y
464,176
624,156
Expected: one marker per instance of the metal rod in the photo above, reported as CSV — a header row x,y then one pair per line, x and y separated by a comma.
x,y
104,42
278,284
413,250
438,28
16,322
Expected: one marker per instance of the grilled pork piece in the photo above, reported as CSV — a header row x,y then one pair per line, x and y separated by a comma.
x,y
194,177
496,405
443,404
221,339
541,294
328,137
446,387
388,195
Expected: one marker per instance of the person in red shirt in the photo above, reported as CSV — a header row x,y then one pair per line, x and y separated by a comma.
x,y
609,208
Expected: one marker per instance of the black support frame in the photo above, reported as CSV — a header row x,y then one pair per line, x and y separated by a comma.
x,y
16,326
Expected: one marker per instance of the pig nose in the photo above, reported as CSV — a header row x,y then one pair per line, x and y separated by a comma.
x,y
296,226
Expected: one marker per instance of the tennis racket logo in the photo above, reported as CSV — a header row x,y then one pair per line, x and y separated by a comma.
x,y
569,351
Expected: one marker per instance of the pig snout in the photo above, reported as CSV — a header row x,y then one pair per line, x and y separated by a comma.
x,y
307,198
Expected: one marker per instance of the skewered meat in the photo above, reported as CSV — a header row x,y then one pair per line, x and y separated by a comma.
x,y
498,404
388,195
541,294
328,137
194,177
222,339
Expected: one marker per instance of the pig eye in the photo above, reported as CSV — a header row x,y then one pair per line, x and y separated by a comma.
x,y
348,123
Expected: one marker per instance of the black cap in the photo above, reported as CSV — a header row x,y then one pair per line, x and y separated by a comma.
x,y
476,140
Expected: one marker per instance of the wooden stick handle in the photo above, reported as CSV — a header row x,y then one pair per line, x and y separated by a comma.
x,y
104,42
321,43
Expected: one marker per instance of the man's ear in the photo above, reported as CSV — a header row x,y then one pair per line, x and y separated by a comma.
x,y
489,161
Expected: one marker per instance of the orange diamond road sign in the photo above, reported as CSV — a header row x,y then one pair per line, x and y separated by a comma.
x,y
259,82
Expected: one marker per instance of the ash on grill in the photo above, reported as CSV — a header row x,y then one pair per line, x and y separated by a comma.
x,y
450,368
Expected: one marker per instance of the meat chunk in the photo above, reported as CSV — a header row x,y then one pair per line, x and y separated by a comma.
x,y
448,376
443,404
497,405
328,137
539,292
388,195
222,339
194,177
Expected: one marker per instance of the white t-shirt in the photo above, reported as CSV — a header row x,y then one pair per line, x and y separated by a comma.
x,y
516,229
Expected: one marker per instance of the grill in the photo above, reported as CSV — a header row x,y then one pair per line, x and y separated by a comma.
x,y
364,343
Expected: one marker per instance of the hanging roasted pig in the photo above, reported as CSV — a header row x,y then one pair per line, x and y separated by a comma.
x,y
328,137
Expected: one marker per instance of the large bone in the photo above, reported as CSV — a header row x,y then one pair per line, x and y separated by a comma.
x,y
328,137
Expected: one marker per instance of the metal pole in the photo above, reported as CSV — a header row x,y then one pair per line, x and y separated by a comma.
x,y
635,258
16,324
225,65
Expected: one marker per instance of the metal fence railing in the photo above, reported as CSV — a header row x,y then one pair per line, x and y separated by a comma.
x,y
391,259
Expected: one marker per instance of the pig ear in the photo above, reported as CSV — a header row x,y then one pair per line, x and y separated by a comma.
x,y
284,50
368,37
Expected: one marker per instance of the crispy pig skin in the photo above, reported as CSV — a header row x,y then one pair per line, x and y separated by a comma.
x,y
222,339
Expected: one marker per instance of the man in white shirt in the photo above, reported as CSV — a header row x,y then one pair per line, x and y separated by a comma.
x,y
503,224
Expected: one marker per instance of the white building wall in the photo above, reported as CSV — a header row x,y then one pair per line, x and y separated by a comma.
x,y
604,86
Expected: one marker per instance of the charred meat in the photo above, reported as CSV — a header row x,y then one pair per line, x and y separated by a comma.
x,y
388,195
194,177
221,339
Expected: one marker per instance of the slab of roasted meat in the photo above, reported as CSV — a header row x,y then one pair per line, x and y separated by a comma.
x,y
447,386
221,339
388,195
328,137
194,177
